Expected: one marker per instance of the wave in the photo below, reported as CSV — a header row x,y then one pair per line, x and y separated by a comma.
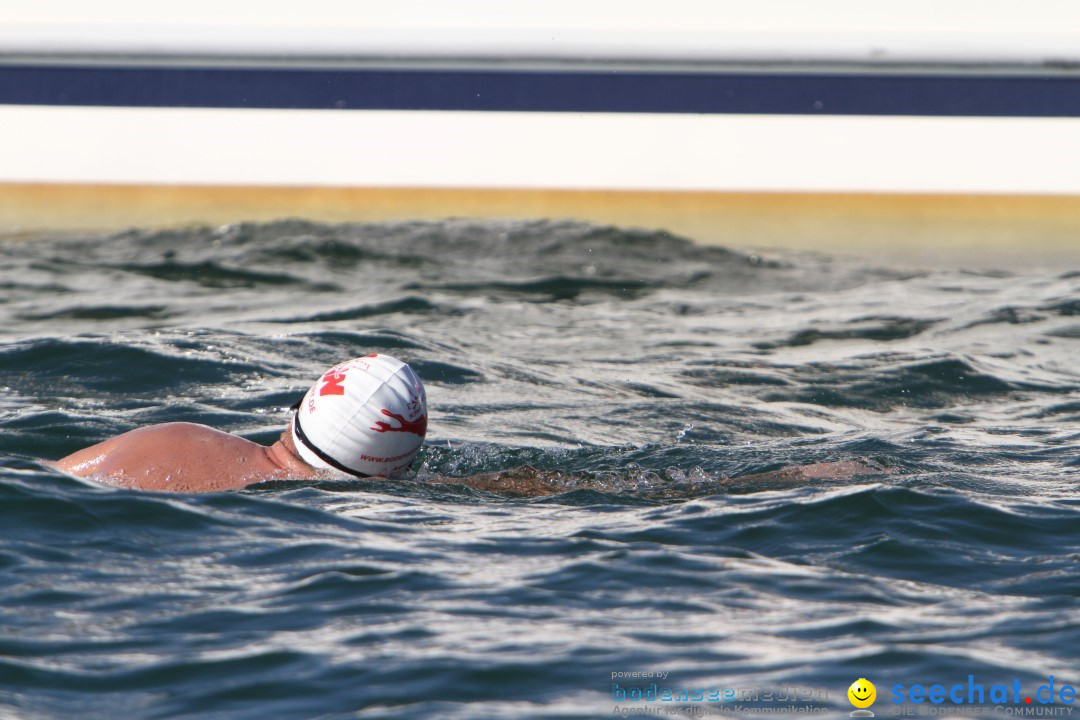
x,y
646,380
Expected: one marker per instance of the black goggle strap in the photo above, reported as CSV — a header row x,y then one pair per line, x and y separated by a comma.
x,y
319,453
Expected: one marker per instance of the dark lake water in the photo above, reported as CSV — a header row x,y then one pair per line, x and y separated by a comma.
x,y
646,368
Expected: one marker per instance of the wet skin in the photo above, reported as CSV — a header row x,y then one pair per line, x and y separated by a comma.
x,y
185,457
527,481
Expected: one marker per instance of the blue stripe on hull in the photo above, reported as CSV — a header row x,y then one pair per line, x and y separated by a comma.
x,y
791,93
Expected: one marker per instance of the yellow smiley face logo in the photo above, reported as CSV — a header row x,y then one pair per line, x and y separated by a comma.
x,y
862,693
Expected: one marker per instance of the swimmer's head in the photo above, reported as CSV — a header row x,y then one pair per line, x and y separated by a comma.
x,y
364,417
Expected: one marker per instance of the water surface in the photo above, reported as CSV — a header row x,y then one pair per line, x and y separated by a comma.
x,y
648,367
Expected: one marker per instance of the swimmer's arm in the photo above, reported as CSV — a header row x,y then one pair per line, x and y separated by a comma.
x,y
527,481
841,470
522,481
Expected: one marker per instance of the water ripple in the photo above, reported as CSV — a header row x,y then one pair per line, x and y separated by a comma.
x,y
648,381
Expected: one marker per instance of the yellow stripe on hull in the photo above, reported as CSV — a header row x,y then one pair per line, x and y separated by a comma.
x,y
959,229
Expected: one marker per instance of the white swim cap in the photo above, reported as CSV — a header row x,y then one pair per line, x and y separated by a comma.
x,y
364,417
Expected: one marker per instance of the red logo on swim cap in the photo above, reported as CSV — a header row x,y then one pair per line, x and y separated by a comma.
x,y
416,427
333,378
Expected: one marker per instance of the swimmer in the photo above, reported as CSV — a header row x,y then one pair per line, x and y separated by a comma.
x,y
366,418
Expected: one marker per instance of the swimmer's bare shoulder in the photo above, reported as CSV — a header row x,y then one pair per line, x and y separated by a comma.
x,y
183,457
